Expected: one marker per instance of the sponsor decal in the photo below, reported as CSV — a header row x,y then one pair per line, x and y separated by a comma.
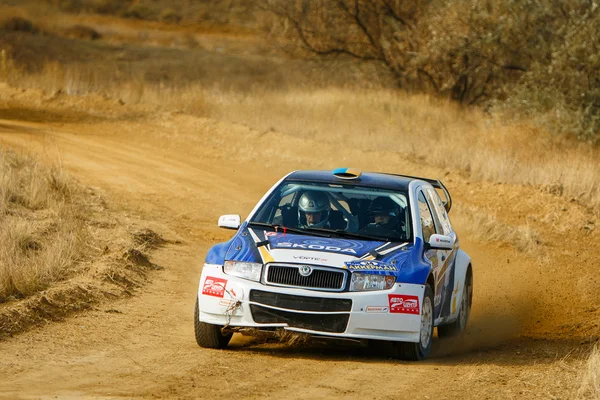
x,y
214,286
314,247
226,303
370,265
404,304
307,258
377,309
269,233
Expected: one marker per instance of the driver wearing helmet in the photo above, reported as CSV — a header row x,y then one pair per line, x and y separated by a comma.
x,y
313,210
385,213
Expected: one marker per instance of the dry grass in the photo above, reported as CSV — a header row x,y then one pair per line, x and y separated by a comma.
x,y
293,339
417,128
421,129
590,381
42,228
481,224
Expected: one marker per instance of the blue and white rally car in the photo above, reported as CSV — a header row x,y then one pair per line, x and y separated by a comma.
x,y
341,254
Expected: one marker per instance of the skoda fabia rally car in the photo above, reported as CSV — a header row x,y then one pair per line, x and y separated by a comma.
x,y
342,254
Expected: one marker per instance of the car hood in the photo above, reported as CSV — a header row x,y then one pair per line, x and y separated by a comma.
x,y
258,245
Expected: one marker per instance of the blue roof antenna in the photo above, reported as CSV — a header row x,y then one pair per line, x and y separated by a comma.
x,y
347,173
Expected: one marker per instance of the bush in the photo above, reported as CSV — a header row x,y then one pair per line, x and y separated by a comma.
x,y
72,6
82,32
532,57
110,7
170,16
139,11
18,24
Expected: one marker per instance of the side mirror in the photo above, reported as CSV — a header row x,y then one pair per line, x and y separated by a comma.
x,y
442,242
229,221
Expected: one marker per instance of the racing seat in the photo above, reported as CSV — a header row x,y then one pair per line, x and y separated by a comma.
x,y
336,220
289,216
358,208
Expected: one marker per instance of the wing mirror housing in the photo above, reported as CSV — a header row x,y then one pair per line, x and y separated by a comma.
x,y
441,242
229,221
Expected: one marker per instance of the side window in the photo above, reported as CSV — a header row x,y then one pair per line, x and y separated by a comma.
x,y
272,214
439,210
285,214
427,224
286,200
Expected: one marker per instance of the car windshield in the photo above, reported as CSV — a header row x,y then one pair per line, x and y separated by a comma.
x,y
343,210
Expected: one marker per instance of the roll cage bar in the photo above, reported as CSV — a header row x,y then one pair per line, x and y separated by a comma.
x,y
436,183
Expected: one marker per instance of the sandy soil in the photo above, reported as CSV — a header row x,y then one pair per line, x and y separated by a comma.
x,y
533,318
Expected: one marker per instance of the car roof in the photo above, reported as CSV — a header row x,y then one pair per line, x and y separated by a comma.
x,y
368,179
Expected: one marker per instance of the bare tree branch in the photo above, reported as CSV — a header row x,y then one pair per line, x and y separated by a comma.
x,y
430,78
313,48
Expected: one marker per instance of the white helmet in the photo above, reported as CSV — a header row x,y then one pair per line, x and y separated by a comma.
x,y
314,202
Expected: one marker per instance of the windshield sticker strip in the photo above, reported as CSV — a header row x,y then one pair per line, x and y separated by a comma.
x,y
373,254
381,251
264,251
387,251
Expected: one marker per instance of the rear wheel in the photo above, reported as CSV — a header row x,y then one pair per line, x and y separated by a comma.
x,y
209,335
419,351
455,328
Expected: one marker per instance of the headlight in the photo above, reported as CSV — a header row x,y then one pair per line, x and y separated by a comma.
x,y
361,282
246,270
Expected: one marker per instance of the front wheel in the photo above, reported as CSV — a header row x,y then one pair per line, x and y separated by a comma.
x,y
208,335
419,351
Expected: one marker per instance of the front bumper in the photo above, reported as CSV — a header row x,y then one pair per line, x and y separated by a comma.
x,y
237,302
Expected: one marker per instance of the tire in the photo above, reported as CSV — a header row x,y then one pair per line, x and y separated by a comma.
x,y
457,327
208,335
420,351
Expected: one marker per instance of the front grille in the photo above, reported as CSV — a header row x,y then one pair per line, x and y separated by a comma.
x,y
301,303
320,278
333,323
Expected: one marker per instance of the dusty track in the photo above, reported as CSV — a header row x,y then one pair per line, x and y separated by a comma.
x,y
183,172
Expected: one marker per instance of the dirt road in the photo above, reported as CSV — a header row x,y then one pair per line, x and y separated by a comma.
x,y
183,172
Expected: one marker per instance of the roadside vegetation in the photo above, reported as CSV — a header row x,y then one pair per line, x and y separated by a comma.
x,y
61,249
533,59
42,226
230,15
416,127
270,92
590,383
518,60
421,128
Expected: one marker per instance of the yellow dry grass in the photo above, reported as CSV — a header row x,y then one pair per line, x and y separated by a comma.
x,y
590,381
426,130
417,128
483,225
42,230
